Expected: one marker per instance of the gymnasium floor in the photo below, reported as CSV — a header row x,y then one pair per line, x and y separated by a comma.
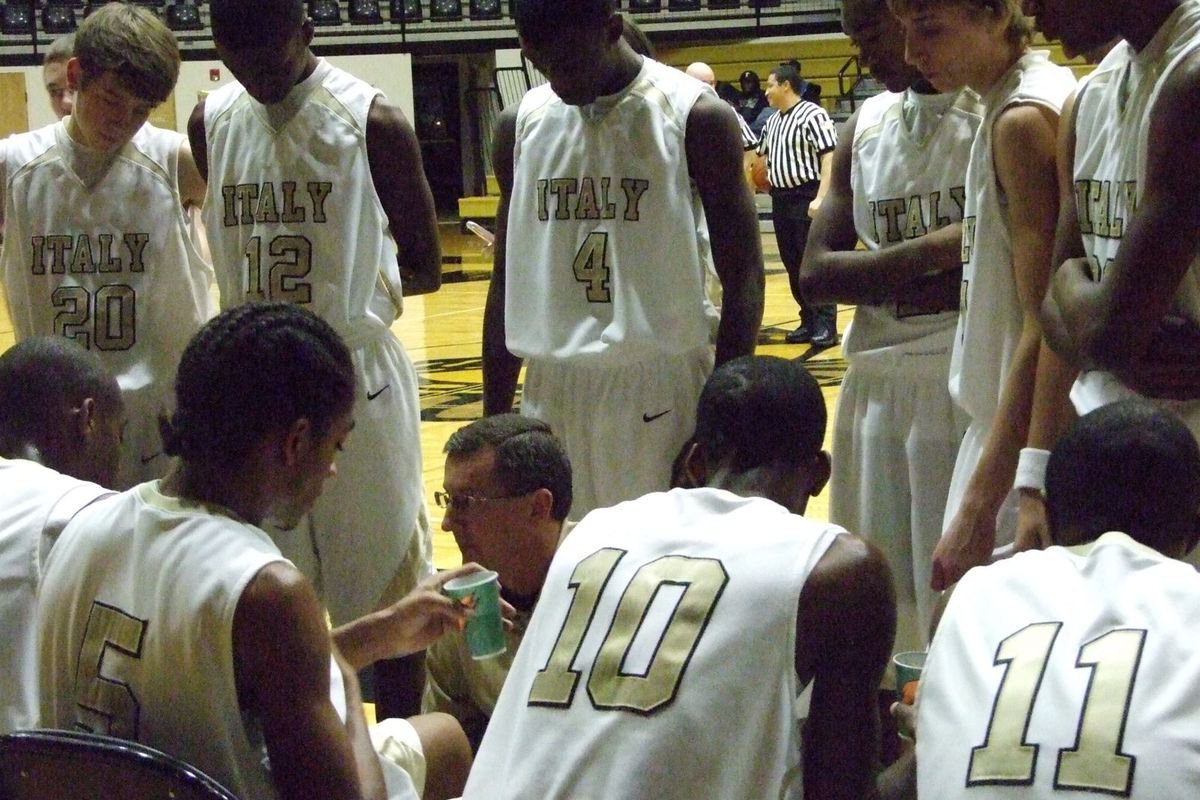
x,y
443,331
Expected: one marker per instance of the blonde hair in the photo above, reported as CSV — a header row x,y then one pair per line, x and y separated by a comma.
x,y
134,44
1020,27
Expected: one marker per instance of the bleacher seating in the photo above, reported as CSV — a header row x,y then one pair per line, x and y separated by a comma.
x,y
26,26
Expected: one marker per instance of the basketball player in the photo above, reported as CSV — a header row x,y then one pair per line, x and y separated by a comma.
x,y
897,185
596,173
1126,298
1072,672
167,615
674,632
60,436
338,227
97,243
1008,233
507,491
54,74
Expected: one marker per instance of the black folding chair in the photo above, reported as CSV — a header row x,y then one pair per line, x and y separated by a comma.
x,y
68,765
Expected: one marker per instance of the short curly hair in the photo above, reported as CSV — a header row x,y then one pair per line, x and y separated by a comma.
x,y
253,370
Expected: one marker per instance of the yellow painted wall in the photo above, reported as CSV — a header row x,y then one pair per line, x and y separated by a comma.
x,y
821,58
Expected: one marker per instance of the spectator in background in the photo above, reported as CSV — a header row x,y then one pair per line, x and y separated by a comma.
x,y
752,103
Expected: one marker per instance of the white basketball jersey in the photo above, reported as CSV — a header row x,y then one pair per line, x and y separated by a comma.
x,y
136,631
35,505
292,212
660,661
908,174
1065,673
990,315
606,234
1112,126
99,250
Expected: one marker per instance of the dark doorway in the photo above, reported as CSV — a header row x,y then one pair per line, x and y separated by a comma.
x,y
436,106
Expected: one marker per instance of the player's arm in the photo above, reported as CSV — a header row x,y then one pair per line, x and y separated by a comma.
x,y
281,650
1052,412
198,140
1114,321
399,177
826,161
192,186
1024,153
834,272
714,153
845,627
500,367
407,626
1069,253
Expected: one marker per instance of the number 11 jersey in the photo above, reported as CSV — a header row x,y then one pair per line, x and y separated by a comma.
x,y
1065,673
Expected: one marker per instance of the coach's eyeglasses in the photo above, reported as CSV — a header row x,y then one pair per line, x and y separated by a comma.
x,y
463,503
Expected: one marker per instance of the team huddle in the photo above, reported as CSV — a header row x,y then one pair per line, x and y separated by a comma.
x,y
211,523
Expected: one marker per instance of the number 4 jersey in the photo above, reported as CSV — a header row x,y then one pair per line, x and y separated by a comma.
x,y
1070,672
98,249
606,235
660,661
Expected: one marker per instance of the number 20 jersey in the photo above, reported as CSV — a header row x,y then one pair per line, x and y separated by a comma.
x,y
108,261
1065,673
660,661
604,253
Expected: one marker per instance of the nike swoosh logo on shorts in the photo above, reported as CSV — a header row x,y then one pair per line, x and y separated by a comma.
x,y
372,395
652,417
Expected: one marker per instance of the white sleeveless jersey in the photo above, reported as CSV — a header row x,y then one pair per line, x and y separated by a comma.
x,y
292,214
35,505
1065,673
136,631
105,257
660,661
605,253
990,315
908,173
1112,126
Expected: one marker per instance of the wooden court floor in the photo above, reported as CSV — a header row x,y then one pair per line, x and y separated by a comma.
x,y
443,334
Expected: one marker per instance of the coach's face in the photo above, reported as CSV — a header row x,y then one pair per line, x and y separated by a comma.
x,y
491,525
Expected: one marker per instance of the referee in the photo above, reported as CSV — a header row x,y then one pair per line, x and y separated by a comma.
x,y
798,142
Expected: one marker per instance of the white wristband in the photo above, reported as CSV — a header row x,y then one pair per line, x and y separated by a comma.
x,y
1031,469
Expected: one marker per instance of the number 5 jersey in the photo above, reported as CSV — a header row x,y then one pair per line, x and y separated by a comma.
x,y
1069,672
97,248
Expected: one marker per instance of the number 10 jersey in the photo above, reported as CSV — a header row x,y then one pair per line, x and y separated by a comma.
x,y
660,661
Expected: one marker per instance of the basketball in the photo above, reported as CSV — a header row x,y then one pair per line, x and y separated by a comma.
x,y
758,175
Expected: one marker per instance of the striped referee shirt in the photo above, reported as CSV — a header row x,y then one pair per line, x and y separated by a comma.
x,y
794,141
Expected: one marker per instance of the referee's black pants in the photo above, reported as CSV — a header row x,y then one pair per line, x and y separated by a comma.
x,y
789,213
